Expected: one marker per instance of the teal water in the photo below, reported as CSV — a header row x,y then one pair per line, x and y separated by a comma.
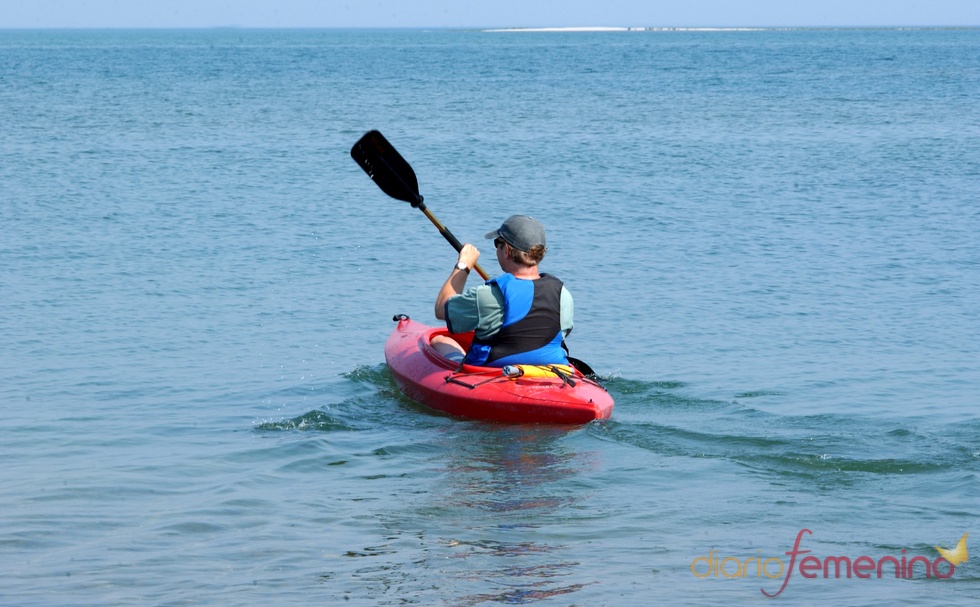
x,y
771,238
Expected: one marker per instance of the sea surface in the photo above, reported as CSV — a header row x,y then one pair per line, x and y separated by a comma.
x,y
772,239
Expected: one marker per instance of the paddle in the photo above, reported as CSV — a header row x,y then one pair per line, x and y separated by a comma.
x,y
585,369
395,177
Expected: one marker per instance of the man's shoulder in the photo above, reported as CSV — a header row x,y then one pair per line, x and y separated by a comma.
x,y
479,295
551,278
490,294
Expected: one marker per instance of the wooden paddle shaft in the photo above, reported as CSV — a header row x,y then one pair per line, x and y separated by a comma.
x,y
452,239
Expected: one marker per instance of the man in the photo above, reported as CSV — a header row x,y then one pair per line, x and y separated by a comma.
x,y
520,317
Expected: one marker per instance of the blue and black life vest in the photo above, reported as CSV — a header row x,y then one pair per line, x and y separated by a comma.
x,y
531,332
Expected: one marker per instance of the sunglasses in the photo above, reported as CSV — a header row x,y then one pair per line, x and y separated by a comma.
x,y
498,242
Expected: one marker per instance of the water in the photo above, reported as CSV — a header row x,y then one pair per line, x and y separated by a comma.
x,y
772,242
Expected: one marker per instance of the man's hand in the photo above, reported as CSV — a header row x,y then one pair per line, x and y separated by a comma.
x,y
457,280
468,255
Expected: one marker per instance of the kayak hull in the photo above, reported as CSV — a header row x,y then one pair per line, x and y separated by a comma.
x,y
483,392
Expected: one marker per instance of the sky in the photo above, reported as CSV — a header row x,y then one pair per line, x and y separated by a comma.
x,y
484,13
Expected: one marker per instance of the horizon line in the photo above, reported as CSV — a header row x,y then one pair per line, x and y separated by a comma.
x,y
599,29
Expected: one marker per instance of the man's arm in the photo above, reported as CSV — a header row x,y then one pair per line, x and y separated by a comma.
x,y
456,282
567,312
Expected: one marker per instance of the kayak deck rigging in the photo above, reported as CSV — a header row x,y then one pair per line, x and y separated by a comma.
x,y
486,393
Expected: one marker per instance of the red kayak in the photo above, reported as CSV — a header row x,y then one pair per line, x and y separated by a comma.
x,y
485,392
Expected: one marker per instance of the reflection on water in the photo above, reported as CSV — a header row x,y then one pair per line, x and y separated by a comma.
x,y
474,532
463,513
519,584
513,469
519,596
505,485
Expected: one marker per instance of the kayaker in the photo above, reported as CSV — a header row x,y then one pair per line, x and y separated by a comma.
x,y
519,318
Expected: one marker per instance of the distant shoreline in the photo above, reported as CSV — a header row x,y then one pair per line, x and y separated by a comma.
x,y
729,29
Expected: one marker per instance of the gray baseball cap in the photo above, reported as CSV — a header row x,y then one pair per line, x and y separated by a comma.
x,y
521,232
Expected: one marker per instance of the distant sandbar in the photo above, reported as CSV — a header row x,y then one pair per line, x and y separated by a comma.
x,y
626,29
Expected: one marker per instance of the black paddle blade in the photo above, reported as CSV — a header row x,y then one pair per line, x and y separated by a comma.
x,y
386,167
585,369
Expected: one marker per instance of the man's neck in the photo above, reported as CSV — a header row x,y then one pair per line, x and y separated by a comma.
x,y
526,273
518,270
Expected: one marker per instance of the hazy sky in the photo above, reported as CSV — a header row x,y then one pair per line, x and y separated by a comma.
x,y
484,13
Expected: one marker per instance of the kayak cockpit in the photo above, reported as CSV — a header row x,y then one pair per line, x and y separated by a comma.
x,y
425,346
534,394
